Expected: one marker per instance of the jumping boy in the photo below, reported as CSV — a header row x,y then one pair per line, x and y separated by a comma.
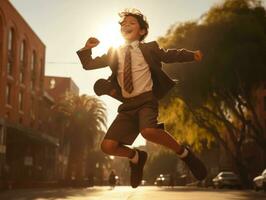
x,y
139,82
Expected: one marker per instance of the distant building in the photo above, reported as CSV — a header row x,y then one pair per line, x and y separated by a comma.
x,y
26,150
57,87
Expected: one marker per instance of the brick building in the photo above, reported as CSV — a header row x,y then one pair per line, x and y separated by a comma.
x,y
26,150
57,87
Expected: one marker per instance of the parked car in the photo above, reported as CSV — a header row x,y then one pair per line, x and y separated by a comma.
x,y
259,182
143,182
164,180
226,179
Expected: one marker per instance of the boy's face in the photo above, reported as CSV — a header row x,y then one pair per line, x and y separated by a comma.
x,y
130,29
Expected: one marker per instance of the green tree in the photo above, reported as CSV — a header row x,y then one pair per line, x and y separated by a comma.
x,y
83,118
219,92
178,121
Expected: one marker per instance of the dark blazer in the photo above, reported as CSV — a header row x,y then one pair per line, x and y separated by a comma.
x,y
153,55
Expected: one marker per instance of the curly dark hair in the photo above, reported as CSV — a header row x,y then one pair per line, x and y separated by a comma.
x,y
142,20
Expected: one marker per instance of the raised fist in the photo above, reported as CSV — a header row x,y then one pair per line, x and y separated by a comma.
x,y
91,43
198,55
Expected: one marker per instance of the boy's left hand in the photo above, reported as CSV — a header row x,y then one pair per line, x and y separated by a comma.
x,y
198,55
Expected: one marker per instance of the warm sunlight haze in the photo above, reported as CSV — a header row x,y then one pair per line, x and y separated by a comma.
x,y
109,35
65,26
132,100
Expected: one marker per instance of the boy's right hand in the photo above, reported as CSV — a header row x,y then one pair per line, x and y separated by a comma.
x,y
91,43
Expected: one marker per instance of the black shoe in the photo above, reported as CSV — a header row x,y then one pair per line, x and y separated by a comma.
x,y
137,169
195,165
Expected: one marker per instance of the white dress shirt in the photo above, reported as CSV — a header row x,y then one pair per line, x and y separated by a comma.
x,y
141,75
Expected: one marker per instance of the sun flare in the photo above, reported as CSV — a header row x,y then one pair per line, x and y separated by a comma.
x,y
110,35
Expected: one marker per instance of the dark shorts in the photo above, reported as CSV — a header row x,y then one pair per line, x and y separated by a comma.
x,y
134,115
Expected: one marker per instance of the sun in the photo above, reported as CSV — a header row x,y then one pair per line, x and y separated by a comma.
x,y
110,36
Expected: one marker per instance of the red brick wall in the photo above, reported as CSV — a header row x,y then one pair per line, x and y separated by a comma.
x,y
58,86
11,19
1,64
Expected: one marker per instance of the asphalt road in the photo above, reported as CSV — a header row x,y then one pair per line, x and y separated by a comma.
x,y
127,193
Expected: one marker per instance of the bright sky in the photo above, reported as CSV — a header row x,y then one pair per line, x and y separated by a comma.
x,y
65,25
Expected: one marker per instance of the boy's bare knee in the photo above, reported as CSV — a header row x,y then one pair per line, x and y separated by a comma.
x,y
148,133
109,146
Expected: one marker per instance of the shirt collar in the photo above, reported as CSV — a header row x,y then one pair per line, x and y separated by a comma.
x,y
134,44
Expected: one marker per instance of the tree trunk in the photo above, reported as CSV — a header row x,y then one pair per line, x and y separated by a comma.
x,y
243,173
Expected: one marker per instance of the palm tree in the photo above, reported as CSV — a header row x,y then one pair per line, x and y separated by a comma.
x,y
81,119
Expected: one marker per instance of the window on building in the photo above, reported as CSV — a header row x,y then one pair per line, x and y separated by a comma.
x,y
33,61
10,51
10,39
41,74
20,100
22,63
2,135
22,51
33,68
21,76
8,94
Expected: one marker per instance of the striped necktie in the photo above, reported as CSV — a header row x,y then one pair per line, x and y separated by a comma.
x,y
128,84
